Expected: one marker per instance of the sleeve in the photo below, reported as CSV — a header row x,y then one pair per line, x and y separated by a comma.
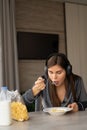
x,y
29,100
82,105
81,94
28,96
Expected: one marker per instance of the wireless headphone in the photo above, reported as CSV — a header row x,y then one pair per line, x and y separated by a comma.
x,y
68,68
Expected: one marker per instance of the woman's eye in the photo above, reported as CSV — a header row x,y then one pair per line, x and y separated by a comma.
x,y
50,72
59,72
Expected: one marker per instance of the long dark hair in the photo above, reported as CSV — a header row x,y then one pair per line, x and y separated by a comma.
x,y
60,59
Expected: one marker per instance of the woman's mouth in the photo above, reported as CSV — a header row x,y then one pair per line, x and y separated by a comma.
x,y
55,83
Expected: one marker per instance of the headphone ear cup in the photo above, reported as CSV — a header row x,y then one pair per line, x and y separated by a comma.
x,y
69,70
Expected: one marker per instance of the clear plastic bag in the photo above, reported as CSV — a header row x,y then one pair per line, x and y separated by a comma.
x,y
18,108
15,96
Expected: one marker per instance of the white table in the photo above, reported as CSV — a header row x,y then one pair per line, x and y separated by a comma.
x,y
43,121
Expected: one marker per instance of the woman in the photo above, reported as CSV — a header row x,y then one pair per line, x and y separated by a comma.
x,y
58,87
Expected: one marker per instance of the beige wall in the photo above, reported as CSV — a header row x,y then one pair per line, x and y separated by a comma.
x,y
76,30
38,16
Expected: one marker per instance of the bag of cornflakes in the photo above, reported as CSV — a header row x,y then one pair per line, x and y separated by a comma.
x,y
18,108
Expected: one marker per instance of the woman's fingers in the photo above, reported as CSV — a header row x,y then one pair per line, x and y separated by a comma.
x,y
74,106
39,86
39,80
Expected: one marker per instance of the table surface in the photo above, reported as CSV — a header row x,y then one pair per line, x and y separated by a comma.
x,y
43,121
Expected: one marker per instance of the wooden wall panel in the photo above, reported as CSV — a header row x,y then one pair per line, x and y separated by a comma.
x,y
39,15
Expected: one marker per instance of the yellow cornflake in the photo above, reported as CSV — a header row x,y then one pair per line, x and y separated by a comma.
x,y
19,111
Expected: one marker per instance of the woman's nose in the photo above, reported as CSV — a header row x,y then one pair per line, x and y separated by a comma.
x,y
54,76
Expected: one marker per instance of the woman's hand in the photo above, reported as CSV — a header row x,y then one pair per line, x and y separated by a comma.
x,y
74,106
39,86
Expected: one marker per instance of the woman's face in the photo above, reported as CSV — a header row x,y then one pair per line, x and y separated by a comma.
x,y
57,75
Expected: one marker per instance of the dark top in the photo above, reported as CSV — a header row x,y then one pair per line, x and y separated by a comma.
x,y
42,100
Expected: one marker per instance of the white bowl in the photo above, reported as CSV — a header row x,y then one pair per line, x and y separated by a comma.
x,y
55,111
